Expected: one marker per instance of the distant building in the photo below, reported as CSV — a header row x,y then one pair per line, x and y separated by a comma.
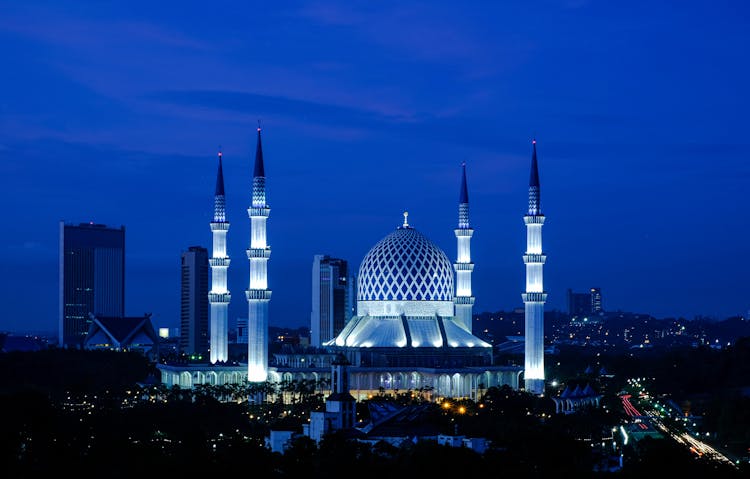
x,y
579,304
340,410
585,304
241,331
194,301
92,278
596,300
575,399
332,298
135,334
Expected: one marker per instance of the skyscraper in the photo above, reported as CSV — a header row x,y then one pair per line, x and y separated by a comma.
x,y
579,304
584,304
92,278
219,295
194,301
596,300
534,297
332,298
258,295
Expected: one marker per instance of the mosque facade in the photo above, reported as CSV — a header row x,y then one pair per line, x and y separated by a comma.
x,y
412,329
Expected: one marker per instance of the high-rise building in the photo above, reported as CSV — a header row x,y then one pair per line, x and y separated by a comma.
x,y
219,295
584,304
241,331
596,300
92,278
258,294
579,304
333,297
194,301
535,296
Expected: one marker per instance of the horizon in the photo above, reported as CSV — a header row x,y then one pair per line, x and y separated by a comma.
x,y
117,113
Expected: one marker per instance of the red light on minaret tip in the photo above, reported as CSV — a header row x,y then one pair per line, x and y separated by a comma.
x,y
533,142
219,153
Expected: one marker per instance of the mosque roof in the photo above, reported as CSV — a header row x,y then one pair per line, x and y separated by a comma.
x,y
405,266
401,331
405,297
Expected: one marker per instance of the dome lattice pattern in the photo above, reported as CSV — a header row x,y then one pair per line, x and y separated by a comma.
x,y
405,266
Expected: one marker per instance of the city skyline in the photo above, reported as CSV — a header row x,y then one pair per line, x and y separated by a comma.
x,y
117,116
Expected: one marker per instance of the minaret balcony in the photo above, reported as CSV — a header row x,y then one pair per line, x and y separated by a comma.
x,y
463,266
258,294
219,226
464,300
464,232
218,262
534,258
258,212
258,253
534,297
533,219
219,297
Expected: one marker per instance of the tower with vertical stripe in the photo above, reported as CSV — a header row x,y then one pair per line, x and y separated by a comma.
x,y
463,266
258,294
219,296
535,296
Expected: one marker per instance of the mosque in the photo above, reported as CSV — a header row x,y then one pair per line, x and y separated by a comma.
x,y
413,323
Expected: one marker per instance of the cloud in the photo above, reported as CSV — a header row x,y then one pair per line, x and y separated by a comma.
x,y
421,31
83,34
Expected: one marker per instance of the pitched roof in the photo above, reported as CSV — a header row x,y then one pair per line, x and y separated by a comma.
x,y
122,330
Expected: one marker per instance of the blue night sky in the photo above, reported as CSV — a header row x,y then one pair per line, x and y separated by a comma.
x,y
113,112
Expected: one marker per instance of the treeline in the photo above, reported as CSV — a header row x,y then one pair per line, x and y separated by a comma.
x,y
55,371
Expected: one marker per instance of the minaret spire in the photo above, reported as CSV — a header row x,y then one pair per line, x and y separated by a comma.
x,y
464,195
535,194
535,296
464,301
258,294
219,296
259,170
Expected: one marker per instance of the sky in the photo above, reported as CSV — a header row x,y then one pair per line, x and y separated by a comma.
x,y
113,112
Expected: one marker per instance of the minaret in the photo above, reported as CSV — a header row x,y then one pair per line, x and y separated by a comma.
x,y
535,296
219,295
258,294
463,299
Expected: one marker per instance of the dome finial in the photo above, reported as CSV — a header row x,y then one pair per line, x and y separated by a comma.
x,y
406,219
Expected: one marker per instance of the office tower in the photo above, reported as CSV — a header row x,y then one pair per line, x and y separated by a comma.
x,y
463,266
534,297
241,331
332,298
194,302
596,300
579,304
219,295
92,278
258,295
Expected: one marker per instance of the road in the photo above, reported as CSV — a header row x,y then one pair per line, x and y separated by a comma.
x,y
656,415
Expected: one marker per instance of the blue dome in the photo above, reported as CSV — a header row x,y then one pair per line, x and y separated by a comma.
x,y
405,266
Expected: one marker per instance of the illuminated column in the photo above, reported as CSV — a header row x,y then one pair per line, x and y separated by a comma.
x,y
463,299
219,295
534,297
258,294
